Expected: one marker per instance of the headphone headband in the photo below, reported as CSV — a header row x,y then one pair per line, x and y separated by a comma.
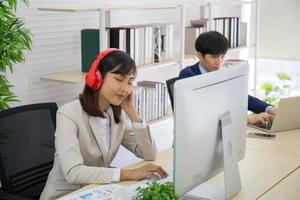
x,y
93,78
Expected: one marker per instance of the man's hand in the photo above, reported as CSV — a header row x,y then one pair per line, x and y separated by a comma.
x,y
272,111
261,119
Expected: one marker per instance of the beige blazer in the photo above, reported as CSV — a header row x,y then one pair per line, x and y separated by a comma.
x,y
80,156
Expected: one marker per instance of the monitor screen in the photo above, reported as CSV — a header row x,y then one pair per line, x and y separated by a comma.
x,y
199,103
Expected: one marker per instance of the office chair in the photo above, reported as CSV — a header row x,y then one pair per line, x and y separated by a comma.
x,y
26,149
170,85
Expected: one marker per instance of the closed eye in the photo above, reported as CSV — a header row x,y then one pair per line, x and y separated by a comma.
x,y
118,79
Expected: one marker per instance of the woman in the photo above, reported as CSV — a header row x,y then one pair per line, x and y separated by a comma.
x,y
90,130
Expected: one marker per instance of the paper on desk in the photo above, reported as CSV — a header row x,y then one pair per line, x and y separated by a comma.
x,y
114,191
102,192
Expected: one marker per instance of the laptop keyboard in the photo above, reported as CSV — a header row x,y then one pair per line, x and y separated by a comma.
x,y
266,126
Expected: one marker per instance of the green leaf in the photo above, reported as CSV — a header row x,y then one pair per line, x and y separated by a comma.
x,y
267,88
283,77
14,40
272,100
157,191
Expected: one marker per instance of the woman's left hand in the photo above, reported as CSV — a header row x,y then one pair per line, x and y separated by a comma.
x,y
129,108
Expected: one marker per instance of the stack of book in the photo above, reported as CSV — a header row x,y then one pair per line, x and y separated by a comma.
x,y
144,43
231,27
151,100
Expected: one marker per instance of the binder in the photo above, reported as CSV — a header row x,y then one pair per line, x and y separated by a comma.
x,y
89,47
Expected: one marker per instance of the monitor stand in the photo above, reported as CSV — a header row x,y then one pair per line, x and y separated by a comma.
x,y
232,178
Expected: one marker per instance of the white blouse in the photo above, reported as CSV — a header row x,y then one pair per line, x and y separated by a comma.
x,y
106,137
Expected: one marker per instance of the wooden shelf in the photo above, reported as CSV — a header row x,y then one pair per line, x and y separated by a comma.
x,y
162,5
170,5
241,48
67,9
76,76
172,61
107,7
240,52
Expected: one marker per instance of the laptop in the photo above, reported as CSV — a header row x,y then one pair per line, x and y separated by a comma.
x,y
287,116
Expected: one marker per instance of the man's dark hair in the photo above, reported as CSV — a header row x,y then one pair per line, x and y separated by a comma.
x,y
117,62
211,42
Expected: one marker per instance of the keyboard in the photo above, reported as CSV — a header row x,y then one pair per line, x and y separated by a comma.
x,y
168,178
266,126
143,183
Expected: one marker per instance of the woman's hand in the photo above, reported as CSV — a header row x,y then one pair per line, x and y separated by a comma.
x,y
129,108
128,103
146,171
261,119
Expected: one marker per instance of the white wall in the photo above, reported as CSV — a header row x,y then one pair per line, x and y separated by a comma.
x,y
56,45
279,29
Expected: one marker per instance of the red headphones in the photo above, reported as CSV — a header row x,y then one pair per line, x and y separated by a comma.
x,y
93,78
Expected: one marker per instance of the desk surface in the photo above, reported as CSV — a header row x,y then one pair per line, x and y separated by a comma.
x,y
260,171
289,188
285,143
270,167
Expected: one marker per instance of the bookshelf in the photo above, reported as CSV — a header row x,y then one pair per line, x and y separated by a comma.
x,y
103,8
208,9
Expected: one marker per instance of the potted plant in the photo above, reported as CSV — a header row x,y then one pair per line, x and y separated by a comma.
x,y
273,92
157,191
14,40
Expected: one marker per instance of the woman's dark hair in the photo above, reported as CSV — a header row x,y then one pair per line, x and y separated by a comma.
x,y
117,62
211,42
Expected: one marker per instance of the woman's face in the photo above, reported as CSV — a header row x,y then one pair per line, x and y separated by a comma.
x,y
116,88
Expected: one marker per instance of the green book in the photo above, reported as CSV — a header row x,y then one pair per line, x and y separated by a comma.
x,y
89,48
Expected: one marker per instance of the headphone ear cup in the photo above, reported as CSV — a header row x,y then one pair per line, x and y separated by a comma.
x,y
99,80
94,79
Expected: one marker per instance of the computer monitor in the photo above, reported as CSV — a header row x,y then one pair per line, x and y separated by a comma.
x,y
200,102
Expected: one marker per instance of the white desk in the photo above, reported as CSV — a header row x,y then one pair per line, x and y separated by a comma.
x,y
285,143
289,188
260,171
265,172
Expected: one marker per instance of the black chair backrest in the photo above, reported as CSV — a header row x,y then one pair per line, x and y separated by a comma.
x,y
27,148
170,85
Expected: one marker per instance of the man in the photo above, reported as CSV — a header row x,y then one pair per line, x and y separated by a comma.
x,y
211,48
